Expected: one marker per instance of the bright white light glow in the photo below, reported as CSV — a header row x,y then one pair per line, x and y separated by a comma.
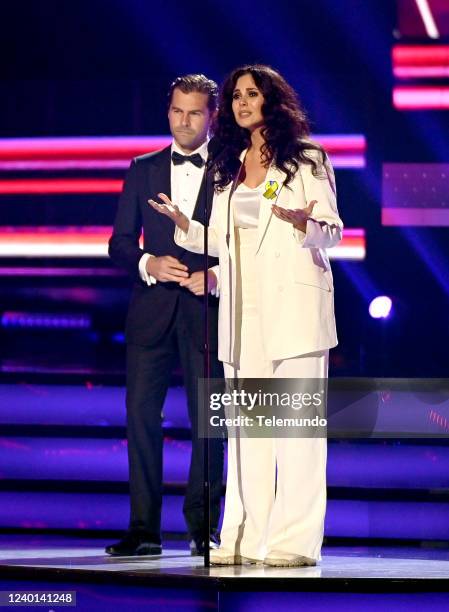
x,y
427,17
380,307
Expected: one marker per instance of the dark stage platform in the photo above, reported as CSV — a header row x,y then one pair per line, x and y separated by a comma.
x,y
353,578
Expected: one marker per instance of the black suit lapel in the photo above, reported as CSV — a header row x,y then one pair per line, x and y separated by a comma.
x,y
198,212
160,177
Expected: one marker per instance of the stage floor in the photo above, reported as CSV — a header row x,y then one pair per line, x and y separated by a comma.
x,y
70,555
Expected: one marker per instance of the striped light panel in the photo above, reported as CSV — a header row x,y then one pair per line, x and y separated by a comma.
x,y
420,61
110,153
430,62
115,153
93,242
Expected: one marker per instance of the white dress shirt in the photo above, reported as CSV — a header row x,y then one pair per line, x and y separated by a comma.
x,y
246,202
185,186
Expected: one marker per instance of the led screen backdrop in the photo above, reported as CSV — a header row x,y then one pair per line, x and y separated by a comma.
x,y
415,194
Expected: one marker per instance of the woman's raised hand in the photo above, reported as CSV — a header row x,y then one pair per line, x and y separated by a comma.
x,y
170,210
297,217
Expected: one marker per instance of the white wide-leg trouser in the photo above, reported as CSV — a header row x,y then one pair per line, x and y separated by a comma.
x,y
276,487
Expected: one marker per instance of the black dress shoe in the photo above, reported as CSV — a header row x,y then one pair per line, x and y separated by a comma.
x,y
197,544
135,543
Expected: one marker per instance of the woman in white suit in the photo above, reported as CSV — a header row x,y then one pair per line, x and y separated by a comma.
x,y
274,214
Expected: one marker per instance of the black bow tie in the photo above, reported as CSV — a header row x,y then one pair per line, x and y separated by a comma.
x,y
195,159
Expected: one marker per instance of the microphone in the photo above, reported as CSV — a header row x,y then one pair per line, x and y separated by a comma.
x,y
216,152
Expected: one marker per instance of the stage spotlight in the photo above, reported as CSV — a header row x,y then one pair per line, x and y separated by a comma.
x,y
380,307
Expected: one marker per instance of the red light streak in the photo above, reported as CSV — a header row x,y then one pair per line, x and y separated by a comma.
x,y
415,61
59,186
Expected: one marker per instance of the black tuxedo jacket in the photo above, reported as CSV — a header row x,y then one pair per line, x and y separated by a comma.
x,y
152,308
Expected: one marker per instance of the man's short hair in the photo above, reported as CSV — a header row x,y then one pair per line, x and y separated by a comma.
x,y
196,83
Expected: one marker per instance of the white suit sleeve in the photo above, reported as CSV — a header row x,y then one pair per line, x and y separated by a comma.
x,y
324,229
193,239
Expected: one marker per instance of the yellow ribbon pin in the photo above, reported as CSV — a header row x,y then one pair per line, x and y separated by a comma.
x,y
271,188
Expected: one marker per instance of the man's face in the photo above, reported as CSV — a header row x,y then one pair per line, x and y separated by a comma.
x,y
189,118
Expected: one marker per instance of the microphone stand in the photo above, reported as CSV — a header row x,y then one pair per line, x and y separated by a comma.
x,y
214,157
206,368
210,165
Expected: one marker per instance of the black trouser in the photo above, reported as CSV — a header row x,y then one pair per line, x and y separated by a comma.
x,y
148,376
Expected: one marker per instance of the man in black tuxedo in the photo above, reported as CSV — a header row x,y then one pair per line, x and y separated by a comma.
x,y
165,316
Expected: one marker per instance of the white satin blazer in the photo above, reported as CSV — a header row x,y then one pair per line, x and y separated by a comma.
x,y
294,279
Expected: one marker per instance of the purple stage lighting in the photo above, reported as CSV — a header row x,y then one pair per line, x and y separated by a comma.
x,y
415,194
45,320
380,307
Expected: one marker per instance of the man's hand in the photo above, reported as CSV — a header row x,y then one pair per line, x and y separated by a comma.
x,y
171,211
195,283
167,268
297,217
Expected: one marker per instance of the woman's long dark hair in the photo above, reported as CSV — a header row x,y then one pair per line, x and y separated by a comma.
x,y
286,130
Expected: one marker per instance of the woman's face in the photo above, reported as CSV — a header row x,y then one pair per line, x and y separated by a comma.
x,y
247,101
